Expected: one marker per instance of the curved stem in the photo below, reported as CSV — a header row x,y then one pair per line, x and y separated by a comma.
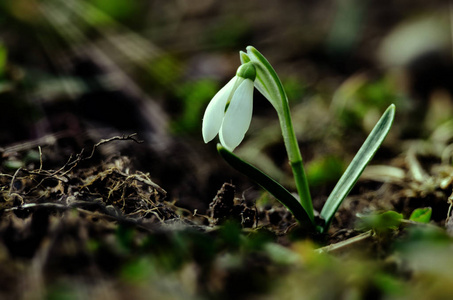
x,y
273,187
270,85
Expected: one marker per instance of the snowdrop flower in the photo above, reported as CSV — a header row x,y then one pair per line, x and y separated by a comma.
x,y
230,111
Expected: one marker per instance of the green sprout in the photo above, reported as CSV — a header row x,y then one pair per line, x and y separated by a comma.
x,y
229,115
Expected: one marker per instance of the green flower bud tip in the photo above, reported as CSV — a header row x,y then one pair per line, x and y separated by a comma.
x,y
244,57
247,71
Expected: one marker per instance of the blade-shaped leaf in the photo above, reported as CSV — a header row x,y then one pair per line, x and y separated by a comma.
x,y
358,164
269,184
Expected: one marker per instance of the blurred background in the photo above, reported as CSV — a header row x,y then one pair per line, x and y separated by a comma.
x,y
73,72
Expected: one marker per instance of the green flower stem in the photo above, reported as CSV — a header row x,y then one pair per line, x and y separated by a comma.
x,y
295,160
271,87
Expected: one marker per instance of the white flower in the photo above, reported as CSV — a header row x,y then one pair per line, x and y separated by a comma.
x,y
230,111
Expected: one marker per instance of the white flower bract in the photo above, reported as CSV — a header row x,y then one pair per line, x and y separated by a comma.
x,y
213,116
229,113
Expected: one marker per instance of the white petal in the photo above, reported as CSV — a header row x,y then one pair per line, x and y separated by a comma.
x,y
213,116
238,116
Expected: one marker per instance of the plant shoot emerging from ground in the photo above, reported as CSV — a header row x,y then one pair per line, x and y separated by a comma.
x,y
229,115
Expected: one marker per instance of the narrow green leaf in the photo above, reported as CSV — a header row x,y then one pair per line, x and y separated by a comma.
x,y
269,184
421,215
358,164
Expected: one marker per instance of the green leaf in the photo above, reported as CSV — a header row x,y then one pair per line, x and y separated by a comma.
x,y
358,164
421,215
381,222
269,184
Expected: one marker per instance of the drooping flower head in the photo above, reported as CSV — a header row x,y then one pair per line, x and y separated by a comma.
x,y
230,111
